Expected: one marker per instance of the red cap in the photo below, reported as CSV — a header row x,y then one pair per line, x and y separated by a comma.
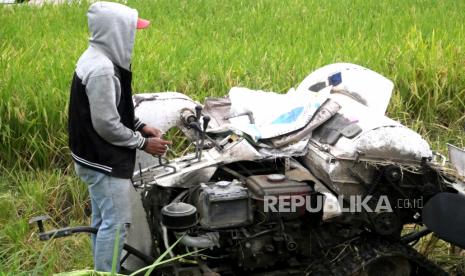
x,y
142,23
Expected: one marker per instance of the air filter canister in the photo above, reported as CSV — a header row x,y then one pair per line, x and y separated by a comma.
x,y
179,215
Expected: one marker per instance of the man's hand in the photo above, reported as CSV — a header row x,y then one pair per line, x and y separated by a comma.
x,y
148,131
156,146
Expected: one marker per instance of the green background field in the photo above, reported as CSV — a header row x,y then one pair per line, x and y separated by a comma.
x,y
203,48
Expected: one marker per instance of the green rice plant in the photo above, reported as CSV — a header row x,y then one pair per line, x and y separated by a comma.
x,y
160,260
149,269
85,273
439,251
39,260
202,48
24,195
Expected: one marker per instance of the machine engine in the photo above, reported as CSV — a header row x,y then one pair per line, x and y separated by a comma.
x,y
232,214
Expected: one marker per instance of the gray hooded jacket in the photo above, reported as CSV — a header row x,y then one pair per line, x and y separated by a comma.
x,y
113,28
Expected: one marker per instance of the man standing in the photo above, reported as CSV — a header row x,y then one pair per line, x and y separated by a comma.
x,y
103,130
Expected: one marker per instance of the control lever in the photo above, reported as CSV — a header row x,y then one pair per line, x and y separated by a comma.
x,y
198,131
206,120
198,112
196,127
40,223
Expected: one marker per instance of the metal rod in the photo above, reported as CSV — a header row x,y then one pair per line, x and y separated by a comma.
x,y
206,120
59,233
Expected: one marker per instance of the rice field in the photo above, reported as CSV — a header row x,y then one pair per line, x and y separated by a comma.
x,y
203,48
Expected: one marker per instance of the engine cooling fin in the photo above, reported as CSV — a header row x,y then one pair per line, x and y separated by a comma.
x,y
366,250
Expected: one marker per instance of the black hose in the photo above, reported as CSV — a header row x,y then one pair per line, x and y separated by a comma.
x,y
415,236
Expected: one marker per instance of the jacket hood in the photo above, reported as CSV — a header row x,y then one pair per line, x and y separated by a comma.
x,y
113,31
